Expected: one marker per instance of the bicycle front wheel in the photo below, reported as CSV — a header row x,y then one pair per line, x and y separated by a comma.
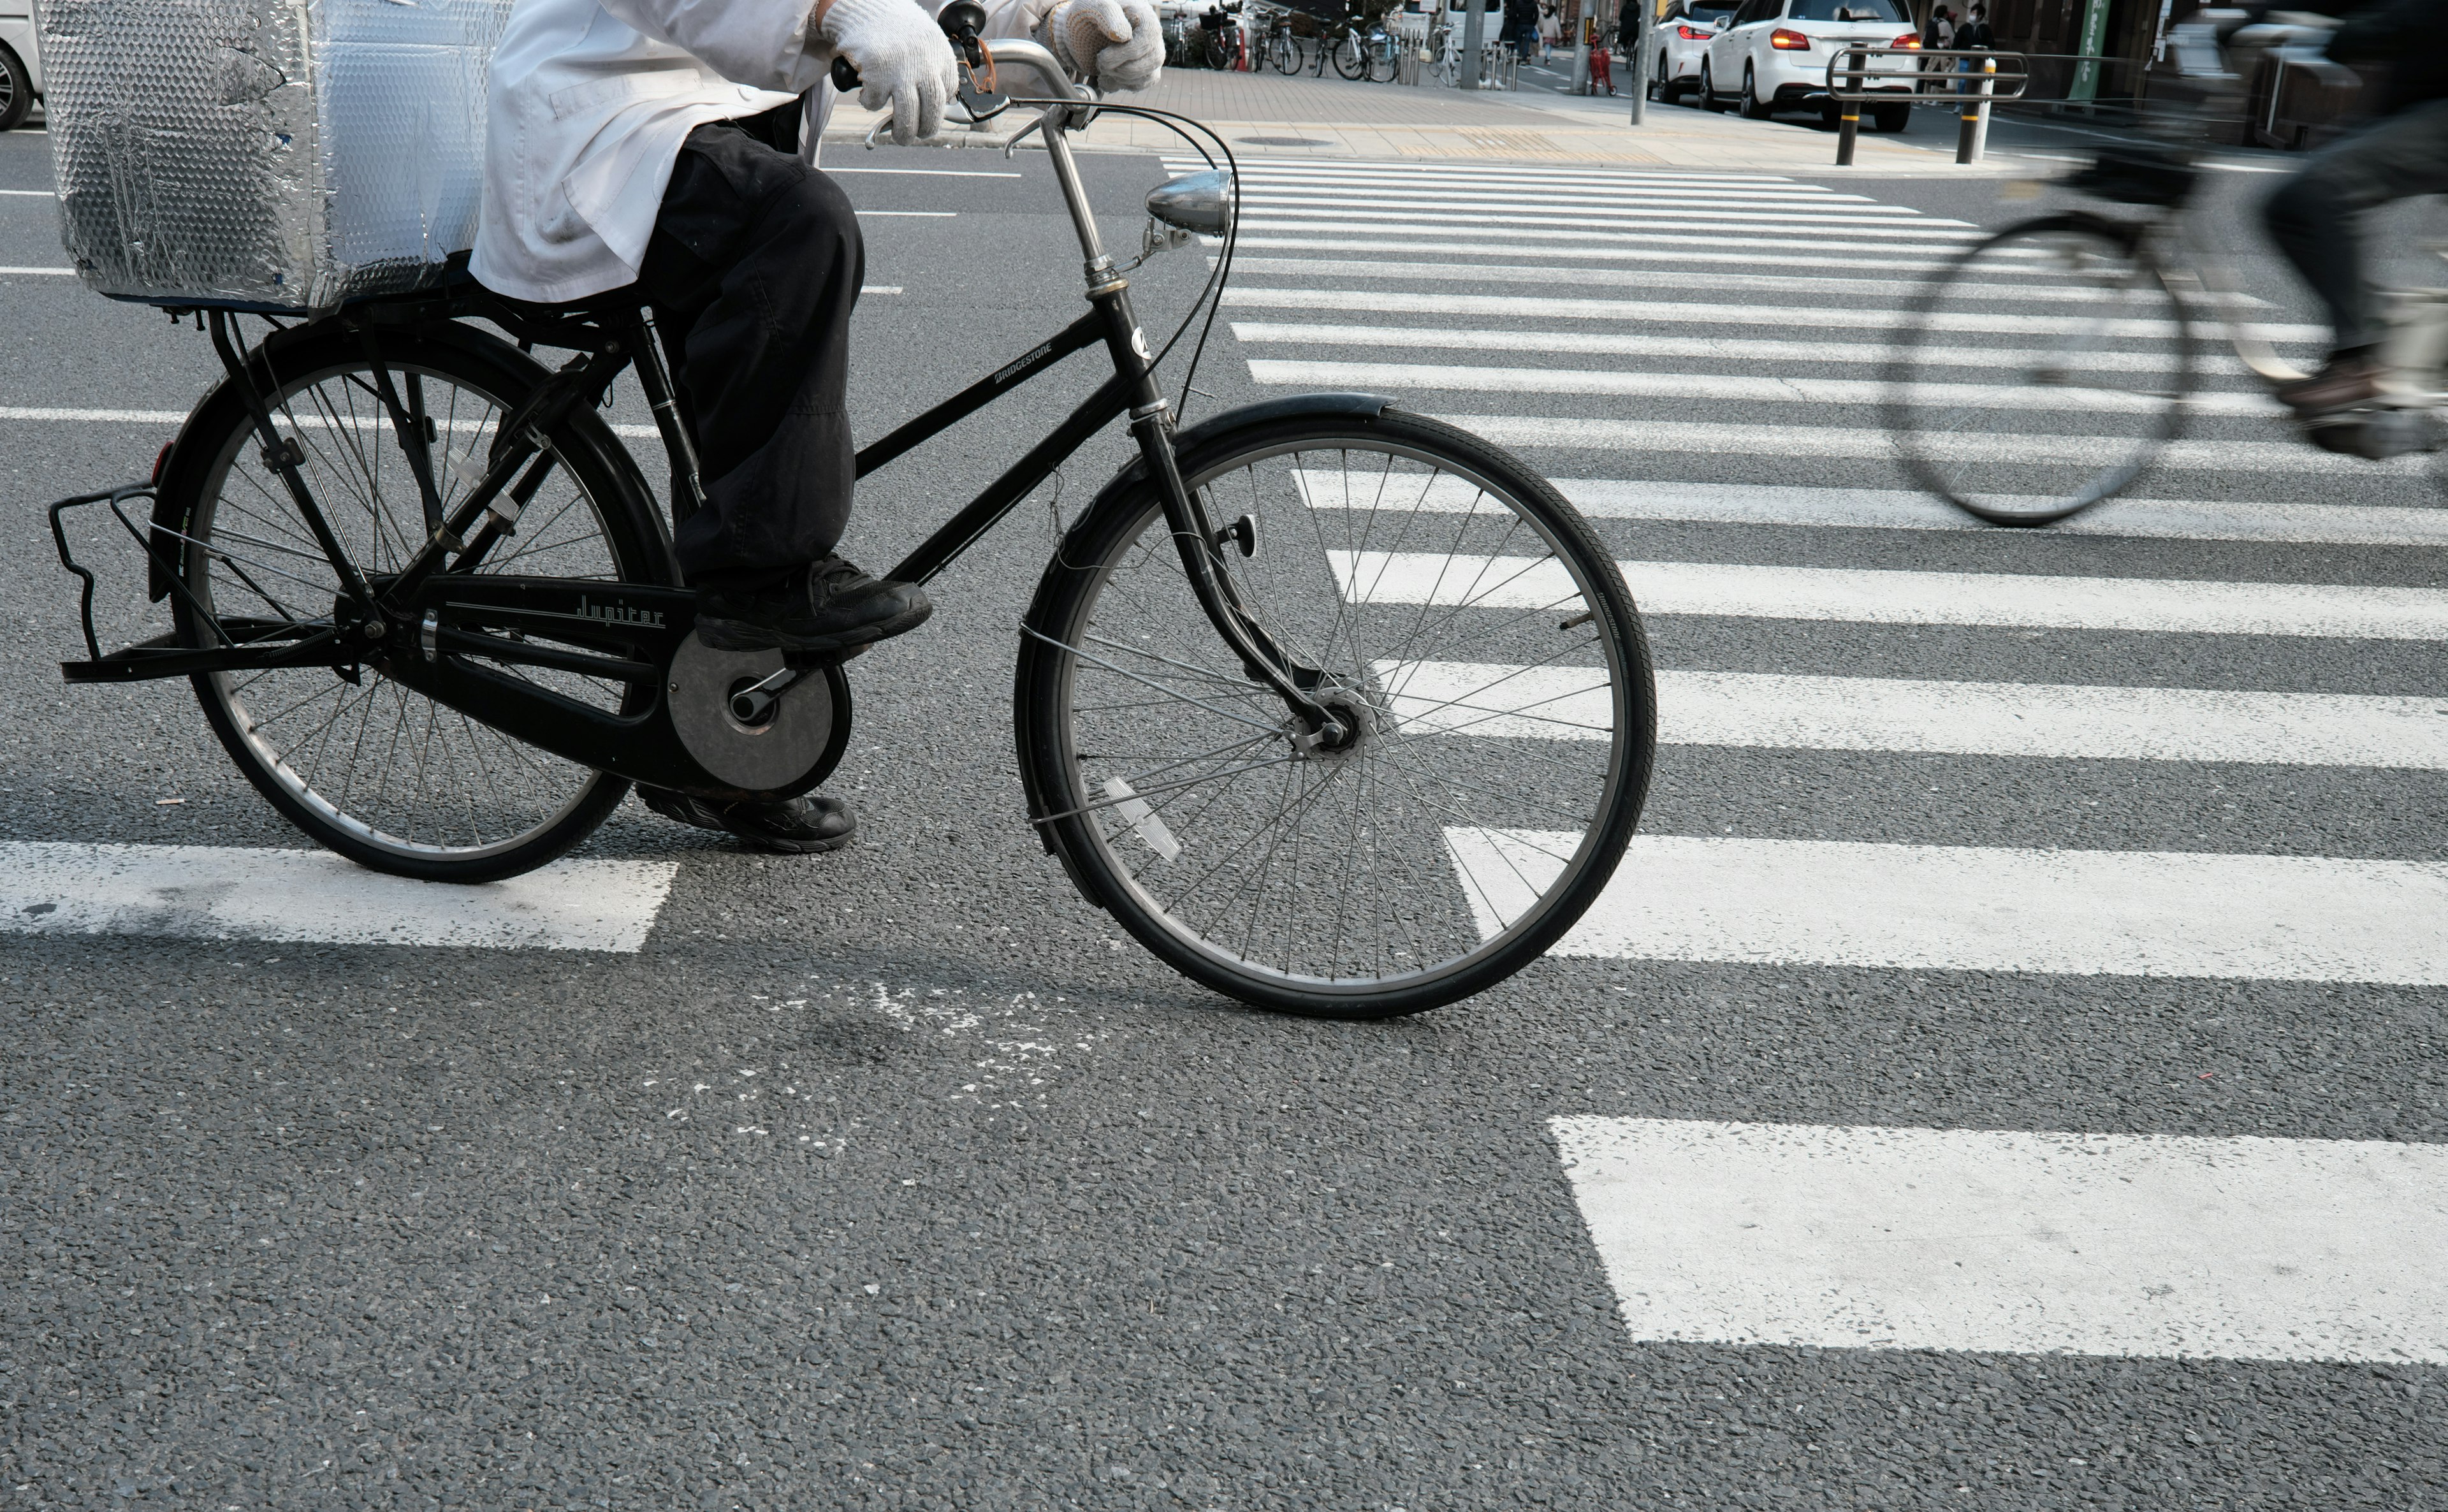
x,y
1455,614
1383,63
1351,56
2041,372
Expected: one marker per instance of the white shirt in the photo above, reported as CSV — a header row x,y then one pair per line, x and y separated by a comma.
x,y
588,101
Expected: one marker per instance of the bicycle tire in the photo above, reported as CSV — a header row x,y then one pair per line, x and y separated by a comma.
x,y
1286,54
1351,57
1384,63
552,804
1213,53
1940,380
1543,707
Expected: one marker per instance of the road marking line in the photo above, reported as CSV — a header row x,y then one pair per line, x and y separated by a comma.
x,y
2156,605
1784,216
2140,1246
1776,711
1788,441
43,273
218,892
879,288
1888,234
1905,510
1296,170
1501,249
1698,236
1729,349
912,215
1459,378
2270,918
29,194
1643,277
1697,312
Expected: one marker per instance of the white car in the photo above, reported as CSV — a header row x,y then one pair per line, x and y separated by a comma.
x,y
1773,55
21,63
1682,36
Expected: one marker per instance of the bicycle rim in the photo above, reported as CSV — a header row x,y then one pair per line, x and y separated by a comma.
x,y
2040,372
370,767
1460,618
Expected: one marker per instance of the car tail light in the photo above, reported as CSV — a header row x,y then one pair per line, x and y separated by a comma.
x,y
1784,41
1694,33
1907,40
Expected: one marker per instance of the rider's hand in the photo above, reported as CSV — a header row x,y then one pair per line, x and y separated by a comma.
x,y
901,58
1115,45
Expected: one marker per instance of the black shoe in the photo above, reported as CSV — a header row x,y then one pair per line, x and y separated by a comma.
x,y
806,826
833,606
2348,381
680,806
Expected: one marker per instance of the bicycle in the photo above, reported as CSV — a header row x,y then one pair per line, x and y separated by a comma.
x,y
1284,50
1220,35
1338,710
2115,285
1381,55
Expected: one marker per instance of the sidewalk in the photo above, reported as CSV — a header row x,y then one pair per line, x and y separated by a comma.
x,y
1332,118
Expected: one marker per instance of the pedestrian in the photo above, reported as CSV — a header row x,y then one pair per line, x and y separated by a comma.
x,y
1550,32
1521,26
1936,34
1973,35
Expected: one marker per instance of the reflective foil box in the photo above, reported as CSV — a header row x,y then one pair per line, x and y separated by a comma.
x,y
258,155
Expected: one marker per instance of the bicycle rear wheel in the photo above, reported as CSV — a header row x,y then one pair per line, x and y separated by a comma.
x,y
2041,371
363,764
1384,62
1454,612
1351,56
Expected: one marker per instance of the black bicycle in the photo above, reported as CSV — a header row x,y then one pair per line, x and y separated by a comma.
x,y
1337,709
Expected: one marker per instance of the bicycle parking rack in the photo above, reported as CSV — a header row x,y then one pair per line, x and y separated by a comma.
x,y
1927,87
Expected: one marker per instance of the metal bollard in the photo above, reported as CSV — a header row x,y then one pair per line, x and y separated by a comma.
x,y
1974,137
1850,125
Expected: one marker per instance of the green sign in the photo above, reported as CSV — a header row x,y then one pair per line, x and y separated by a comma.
x,y
2094,37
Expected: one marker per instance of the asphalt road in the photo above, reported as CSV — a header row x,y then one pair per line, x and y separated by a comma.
x,y
897,1179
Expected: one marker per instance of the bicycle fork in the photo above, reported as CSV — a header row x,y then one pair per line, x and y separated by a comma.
x,y
1194,532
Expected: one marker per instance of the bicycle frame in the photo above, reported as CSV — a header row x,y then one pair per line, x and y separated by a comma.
x,y
401,613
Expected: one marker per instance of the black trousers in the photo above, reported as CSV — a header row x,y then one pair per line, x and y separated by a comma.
x,y
2317,217
752,271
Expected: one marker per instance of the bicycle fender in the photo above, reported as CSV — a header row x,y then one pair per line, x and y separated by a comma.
x,y
1190,438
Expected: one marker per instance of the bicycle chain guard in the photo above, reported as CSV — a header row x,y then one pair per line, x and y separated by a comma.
x,y
773,753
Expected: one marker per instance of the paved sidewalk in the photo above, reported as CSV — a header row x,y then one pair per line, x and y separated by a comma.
x,y
1332,118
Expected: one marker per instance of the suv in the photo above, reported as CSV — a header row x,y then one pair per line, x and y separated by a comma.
x,y
21,63
1682,34
1775,52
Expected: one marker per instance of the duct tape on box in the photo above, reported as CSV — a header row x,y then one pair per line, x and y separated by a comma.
x,y
253,154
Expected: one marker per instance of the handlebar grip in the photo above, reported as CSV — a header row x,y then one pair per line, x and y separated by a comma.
x,y
845,75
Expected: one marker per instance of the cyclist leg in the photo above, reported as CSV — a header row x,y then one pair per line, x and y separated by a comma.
x,y
753,269
2316,220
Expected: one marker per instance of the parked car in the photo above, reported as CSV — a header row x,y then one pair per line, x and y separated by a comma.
x,y
1775,54
1682,35
21,63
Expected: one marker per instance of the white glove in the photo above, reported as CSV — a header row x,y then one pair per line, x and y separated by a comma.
x,y
903,59
1114,45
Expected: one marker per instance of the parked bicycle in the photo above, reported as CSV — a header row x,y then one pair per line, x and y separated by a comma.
x,y
1335,708
1218,38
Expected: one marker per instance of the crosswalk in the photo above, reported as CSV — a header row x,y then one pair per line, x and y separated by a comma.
x,y
1694,360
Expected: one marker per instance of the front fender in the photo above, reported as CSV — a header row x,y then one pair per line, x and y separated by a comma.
x,y
1188,440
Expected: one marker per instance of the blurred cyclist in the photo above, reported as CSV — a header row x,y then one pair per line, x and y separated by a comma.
x,y
2316,216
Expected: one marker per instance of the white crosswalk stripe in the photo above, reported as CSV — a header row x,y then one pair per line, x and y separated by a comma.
x,y
226,893
1702,359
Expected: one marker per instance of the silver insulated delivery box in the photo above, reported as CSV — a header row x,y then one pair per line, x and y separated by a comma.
x,y
262,155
